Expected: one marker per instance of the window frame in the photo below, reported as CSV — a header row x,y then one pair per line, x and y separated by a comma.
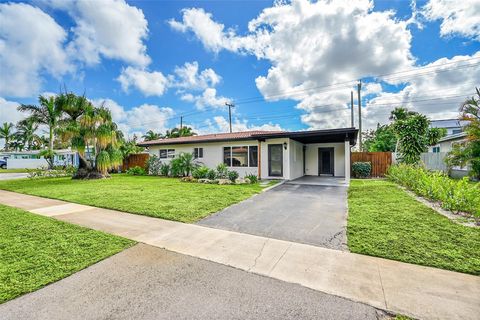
x,y
230,164
198,152
170,153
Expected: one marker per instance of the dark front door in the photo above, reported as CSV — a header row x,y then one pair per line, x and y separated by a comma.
x,y
325,161
275,160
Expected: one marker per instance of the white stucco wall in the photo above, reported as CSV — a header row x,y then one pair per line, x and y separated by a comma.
x,y
212,153
311,158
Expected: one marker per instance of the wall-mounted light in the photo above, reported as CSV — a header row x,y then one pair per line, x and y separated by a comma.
x,y
285,145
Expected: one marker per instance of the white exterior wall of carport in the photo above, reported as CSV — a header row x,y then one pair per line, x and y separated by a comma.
x,y
340,165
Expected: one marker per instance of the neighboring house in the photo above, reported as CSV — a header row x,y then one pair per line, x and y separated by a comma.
x,y
32,160
452,126
434,159
445,144
267,154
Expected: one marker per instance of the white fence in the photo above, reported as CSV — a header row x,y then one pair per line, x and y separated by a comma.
x,y
434,161
26,163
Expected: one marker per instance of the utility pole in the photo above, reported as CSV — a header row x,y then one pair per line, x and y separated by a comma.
x,y
359,87
230,106
181,122
351,104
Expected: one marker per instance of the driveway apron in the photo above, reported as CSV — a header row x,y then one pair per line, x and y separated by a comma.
x,y
309,214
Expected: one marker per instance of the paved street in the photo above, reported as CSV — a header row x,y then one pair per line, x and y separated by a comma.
x,y
146,282
11,176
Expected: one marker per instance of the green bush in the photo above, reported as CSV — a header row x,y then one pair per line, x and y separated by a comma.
x,y
164,169
200,172
212,174
253,178
454,195
222,171
136,171
153,165
232,175
361,169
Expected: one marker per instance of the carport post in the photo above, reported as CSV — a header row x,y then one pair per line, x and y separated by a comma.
x,y
347,160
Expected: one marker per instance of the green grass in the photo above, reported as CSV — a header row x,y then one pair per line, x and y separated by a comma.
x,y
14,170
166,198
36,251
385,221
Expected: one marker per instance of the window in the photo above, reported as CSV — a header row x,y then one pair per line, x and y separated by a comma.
x,y
436,149
455,131
198,153
167,153
240,156
253,156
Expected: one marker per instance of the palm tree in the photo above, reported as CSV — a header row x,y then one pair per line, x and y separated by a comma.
x,y
182,132
26,132
48,113
7,134
150,135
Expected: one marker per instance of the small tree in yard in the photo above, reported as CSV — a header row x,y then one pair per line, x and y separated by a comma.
x,y
413,134
468,153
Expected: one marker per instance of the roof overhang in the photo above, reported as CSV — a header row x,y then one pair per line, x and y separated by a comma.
x,y
316,136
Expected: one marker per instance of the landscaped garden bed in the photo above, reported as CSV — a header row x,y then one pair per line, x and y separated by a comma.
x,y
385,221
36,251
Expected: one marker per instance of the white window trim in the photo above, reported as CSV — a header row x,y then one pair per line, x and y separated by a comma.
x,y
231,158
169,156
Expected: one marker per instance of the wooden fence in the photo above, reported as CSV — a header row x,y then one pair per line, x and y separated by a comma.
x,y
134,160
380,161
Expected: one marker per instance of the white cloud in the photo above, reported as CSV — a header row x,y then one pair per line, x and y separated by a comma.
x,y
241,125
208,98
109,28
458,17
189,77
138,119
31,44
9,114
149,83
311,45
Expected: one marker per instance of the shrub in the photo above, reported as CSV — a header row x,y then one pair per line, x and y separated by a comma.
x,y
55,173
361,169
252,178
212,174
233,175
454,195
164,169
176,167
182,165
222,171
153,165
200,172
136,171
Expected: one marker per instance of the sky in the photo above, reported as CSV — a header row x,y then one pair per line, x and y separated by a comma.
x,y
285,65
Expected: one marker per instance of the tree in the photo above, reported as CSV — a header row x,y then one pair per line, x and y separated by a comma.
x,y
6,133
26,129
150,135
468,152
383,139
414,134
47,113
182,132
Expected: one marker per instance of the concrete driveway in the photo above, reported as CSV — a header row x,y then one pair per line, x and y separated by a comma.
x,y
306,213
11,176
146,282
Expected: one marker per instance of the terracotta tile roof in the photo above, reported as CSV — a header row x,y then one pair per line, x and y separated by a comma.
x,y
245,135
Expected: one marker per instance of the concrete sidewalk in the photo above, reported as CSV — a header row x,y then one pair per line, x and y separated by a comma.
x,y
420,292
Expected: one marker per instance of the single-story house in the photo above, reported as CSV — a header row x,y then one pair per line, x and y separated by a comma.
x,y
267,154
30,159
445,144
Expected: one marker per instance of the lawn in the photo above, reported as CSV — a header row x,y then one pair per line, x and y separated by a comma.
x,y
14,170
165,198
385,221
36,251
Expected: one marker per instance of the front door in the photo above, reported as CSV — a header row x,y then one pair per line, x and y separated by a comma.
x,y
325,161
275,160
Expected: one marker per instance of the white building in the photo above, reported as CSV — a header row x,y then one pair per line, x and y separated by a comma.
x,y
267,154
31,159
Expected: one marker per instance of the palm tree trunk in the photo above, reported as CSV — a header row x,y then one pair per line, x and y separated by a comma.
x,y
50,147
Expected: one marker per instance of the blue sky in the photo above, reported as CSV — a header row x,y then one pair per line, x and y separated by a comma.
x,y
275,73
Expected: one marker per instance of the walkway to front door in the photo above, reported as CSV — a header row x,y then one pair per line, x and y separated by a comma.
x,y
310,214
